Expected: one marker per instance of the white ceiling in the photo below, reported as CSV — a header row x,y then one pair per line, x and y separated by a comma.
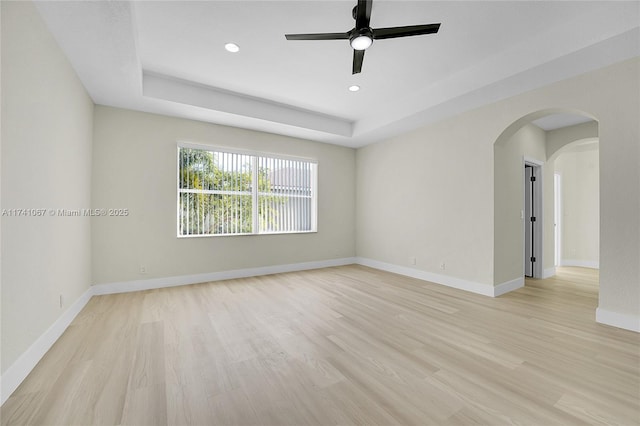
x,y
168,57
558,121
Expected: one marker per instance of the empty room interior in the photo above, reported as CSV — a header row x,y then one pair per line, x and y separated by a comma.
x,y
314,213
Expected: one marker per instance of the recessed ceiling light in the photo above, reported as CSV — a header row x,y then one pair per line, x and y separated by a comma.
x,y
232,47
354,88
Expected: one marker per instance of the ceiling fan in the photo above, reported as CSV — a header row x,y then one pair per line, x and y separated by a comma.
x,y
362,35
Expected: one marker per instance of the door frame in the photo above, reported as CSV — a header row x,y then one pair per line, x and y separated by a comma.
x,y
557,218
538,210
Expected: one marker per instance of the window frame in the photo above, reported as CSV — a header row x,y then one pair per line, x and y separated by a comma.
x,y
254,191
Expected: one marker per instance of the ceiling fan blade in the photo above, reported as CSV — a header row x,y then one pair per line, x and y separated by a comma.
x,y
319,36
411,30
358,57
363,13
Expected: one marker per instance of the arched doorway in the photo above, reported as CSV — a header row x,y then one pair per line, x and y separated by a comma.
x,y
523,223
576,203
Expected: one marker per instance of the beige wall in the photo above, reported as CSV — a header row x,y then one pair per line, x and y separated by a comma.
x,y
430,192
560,138
428,195
529,142
46,163
134,167
579,171
1,298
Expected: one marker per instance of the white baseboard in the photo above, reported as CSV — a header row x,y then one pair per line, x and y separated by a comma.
x,y
593,264
549,272
21,368
615,319
508,286
153,283
474,287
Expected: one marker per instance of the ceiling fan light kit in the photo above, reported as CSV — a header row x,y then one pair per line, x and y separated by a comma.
x,y
361,42
232,47
362,39
362,35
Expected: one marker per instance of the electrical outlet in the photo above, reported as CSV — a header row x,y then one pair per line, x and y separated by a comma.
x,y
143,269
412,260
442,266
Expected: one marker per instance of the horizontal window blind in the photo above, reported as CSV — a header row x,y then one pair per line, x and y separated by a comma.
x,y
227,193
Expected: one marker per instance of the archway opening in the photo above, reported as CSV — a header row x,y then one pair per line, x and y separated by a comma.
x,y
523,233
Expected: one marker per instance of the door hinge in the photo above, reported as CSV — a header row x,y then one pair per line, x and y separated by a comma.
x,y
533,259
533,218
533,178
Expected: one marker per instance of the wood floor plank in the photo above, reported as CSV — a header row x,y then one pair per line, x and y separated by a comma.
x,y
344,345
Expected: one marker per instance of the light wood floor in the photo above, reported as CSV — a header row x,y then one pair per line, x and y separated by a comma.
x,y
347,345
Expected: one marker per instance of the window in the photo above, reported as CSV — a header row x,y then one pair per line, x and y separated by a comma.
x,y
234,193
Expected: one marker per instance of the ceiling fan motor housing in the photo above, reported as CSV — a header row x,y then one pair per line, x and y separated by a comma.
x,y
354,12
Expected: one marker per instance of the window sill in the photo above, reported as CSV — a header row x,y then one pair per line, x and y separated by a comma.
x,y
246,235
